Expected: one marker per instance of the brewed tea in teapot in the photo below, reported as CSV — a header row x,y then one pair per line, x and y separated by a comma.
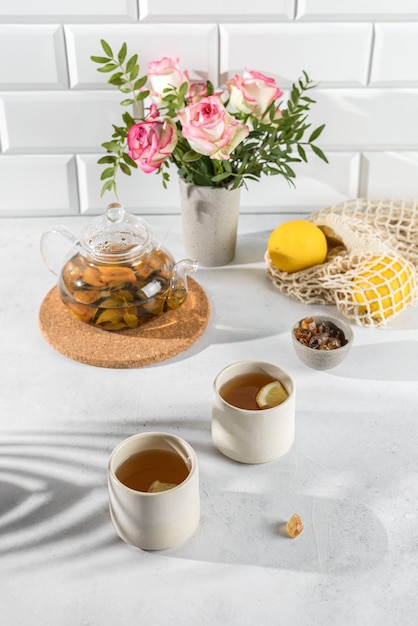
x,y
115,276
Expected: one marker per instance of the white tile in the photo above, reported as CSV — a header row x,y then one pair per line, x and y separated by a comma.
x,y
57,122
395,55
139,193
196,45
336,54
369,119
68,10
35,57
357,10
38,185
216,10
317,185
389,175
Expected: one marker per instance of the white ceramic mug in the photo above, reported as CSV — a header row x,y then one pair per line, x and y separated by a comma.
x,y
154,521
252,436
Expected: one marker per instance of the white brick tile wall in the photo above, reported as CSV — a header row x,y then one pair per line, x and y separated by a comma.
x,y
317,185
284,50
33,57
38,185
138,192
195,45
68,10
368,118
57,122
389,175
216,10
357,10
56,109
395,55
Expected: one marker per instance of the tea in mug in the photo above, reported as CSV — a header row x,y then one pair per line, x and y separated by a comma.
x,y
153,470
243,391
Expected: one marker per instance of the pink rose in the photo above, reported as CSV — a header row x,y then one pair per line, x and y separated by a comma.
x,y
253,92
209,128
165,74
152,141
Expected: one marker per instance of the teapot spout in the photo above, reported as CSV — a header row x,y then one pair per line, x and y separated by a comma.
x,y
179,287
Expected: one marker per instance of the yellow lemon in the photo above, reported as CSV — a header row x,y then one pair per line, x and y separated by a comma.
x,y
297,245
384,287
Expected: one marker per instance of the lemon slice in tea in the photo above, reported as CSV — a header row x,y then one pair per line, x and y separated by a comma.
x,y
272,394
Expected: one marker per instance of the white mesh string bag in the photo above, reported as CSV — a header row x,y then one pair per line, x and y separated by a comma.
x,y
371,270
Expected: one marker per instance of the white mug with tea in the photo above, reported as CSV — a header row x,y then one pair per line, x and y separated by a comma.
x,y
153,482
253,412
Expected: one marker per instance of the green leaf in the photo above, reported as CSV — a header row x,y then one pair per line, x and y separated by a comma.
x,y
107,159
302,153
122,53
128,119
219,177
117,79
183,90
140,82
127,102
125,169
134,73
107,186
112,146
109,67
316,133
107,48
131,63
107,173
119,131
191,156
319,153
100,59
129,161
142,95
209,88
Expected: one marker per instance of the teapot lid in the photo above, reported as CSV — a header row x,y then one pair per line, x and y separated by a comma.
x,y
116,233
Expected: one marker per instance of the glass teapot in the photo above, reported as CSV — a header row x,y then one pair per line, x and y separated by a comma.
x,y
115,275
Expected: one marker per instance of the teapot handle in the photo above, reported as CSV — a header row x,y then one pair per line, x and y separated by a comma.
x,y
50,246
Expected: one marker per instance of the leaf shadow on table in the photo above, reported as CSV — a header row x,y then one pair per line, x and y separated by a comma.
x,y
54,510
53,490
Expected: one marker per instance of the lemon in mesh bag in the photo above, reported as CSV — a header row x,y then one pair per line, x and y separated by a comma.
x,y
383,287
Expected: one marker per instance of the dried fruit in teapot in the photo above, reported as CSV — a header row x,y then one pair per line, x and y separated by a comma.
x,y
114,297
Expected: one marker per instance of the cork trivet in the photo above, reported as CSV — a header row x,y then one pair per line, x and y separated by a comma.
x,y
168,335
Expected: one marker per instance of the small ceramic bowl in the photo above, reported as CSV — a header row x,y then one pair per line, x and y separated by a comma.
x,y
324,359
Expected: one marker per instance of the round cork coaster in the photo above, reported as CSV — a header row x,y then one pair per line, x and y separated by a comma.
x,y
163,338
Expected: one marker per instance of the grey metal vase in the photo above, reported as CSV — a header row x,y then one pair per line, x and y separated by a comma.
x,y
210,223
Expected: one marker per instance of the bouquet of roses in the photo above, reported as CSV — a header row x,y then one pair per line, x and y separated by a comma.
x,y
214,138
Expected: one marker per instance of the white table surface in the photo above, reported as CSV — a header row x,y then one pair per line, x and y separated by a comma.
x,y
352,474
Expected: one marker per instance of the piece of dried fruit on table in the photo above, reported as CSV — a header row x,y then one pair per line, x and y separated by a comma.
x,y
294,526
